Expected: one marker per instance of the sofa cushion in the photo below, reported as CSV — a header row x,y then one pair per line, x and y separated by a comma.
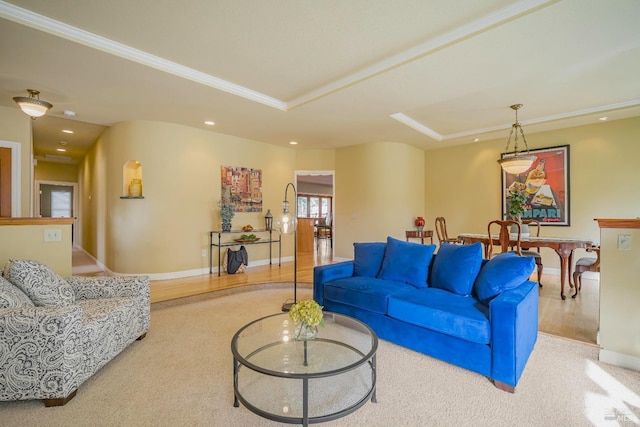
x,y
442,311
11,296
406,262
456,267
367,258
501,273
367,293
42,285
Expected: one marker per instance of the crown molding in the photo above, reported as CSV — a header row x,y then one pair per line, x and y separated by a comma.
x,y
56,28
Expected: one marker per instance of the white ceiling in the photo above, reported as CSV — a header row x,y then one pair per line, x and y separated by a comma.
x,y
326,74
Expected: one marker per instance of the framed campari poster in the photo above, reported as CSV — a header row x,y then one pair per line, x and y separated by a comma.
x,y
546,184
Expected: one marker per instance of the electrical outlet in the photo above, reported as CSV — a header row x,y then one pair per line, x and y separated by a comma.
x,y
52,235
204,252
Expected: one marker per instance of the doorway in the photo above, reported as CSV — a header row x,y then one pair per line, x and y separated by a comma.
x,y
316,203
56,199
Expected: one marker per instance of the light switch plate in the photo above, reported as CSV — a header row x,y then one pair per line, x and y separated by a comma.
x,y
624,242
52,235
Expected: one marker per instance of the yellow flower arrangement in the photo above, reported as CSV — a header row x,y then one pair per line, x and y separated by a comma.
x,y
308,312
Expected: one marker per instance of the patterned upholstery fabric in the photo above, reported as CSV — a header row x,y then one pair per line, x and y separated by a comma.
x,y
11,296
48,352
42,285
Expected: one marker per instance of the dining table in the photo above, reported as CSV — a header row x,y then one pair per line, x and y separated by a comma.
x,y
563,246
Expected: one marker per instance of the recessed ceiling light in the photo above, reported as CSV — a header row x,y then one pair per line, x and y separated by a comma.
x,y
69,113
293,143
603,118
62,150
476,139
209,123
63,142
67,131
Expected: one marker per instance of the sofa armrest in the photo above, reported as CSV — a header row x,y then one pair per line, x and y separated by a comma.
x,y
326,273
40,352
514,331
109,287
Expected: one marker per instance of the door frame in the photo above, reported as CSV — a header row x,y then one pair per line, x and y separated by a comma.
x,y
16,173
74,202
331,172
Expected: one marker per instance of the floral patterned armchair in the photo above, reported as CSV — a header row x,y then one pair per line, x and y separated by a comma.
x,y
56,333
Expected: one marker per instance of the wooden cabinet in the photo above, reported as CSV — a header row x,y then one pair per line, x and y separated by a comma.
x,y
306,227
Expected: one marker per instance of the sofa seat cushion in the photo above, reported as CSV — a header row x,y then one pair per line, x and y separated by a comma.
x,y
443,311
108,326
367,293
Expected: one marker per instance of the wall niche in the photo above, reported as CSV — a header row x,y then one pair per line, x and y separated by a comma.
x,y
132,180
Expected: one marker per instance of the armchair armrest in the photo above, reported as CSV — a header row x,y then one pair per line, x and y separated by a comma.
x,y
40,352
109,287
514,331
326,273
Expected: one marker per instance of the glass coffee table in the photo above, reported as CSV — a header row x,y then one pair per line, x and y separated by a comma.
x,y
304,381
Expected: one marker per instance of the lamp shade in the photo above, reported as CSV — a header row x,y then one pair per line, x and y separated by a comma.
x,y
516,165
33,105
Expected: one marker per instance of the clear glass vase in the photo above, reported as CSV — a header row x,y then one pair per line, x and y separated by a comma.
x,y
305,332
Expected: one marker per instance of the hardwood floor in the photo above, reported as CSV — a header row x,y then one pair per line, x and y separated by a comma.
x,y
575,319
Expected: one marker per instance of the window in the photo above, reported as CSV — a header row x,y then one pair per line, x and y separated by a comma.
x,y
313,206
60,204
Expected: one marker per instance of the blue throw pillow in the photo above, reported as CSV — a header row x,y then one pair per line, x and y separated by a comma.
x,y
456,267
501,273
406,262
367,258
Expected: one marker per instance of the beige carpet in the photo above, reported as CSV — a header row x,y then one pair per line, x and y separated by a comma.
x,y
181,375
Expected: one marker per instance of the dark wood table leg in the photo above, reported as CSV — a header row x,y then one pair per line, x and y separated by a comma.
x,y
564,263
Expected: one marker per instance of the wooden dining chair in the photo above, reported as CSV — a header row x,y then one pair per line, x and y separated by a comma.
x,y
535,254
441,231
504,237
585,264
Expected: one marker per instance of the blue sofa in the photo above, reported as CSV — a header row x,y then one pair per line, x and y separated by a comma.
x,y
478,314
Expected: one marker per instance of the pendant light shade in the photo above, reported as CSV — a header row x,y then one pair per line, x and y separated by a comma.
x,y
516,162
33,106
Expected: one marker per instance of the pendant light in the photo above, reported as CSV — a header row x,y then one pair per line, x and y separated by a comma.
x,y
516,162
33,106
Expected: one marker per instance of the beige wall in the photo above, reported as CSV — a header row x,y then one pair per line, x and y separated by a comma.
x,y
463,183
167,230
50,171
15,126
27,242
619,298
379,190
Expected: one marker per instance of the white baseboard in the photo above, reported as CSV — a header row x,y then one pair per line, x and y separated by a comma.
x,y
619,359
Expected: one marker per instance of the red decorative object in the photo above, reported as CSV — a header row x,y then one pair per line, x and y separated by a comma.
x,y
420,223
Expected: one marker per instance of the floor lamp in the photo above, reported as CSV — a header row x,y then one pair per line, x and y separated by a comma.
x,y
287,226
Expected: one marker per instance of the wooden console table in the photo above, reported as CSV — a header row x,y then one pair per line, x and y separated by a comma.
x,y
415,234
219,244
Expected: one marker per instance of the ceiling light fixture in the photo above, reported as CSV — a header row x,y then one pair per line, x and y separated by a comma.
x,y
209,123
293,143
33,106
603,118
515,162
62,150
67,131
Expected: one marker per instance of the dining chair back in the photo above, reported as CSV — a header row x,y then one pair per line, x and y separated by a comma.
x,y
441,231
535,254
504,236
